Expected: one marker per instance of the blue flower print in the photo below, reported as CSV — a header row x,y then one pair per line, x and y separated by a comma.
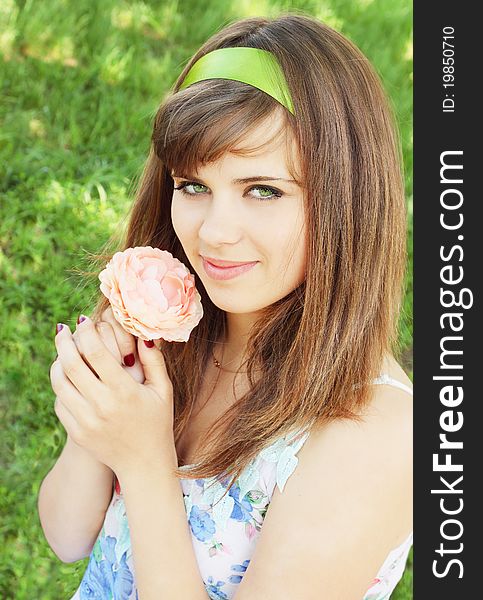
x,y
96,582
240,569
202,525
241,509
106,578
214,591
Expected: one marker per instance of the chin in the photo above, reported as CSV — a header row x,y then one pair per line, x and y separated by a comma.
x,y
232,302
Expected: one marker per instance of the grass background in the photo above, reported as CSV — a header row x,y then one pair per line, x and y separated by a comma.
x,y
80,81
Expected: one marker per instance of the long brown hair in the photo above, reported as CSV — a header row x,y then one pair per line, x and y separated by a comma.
x,y
319,346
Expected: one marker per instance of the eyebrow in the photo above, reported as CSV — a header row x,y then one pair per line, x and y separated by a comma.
x,y
247,179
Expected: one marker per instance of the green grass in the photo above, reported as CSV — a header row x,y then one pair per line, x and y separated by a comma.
x,y
80,82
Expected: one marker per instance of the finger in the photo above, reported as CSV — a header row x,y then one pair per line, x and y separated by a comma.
x,y
69,405
133,366
155,369
94,349
75,337
107,335
126,341
74,366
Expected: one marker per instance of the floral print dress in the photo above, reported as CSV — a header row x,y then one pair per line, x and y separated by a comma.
x,y
224,529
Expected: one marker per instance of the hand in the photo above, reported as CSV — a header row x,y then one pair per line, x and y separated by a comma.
x,y
121,422
120,343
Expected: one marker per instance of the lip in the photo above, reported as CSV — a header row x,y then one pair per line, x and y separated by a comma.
x,y
223,273
225,263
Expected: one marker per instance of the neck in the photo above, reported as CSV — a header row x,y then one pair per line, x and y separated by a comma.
x,y
231,350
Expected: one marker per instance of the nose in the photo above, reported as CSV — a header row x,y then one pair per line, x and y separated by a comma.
x,y
222,223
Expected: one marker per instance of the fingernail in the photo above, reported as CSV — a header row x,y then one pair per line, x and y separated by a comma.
x,y
129,360
80,318
58,327
149,343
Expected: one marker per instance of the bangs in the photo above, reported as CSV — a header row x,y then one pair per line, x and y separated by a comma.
x,y
197,125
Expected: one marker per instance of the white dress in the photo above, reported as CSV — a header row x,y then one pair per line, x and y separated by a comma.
x,y
224,533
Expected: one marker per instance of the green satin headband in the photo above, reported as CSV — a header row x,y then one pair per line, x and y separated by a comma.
x,y
253,66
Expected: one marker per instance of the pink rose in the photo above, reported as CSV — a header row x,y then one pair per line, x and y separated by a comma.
x,y
152,294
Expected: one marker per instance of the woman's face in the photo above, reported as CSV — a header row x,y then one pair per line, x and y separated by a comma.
x,y
261,221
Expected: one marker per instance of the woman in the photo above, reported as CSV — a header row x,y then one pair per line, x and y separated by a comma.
x,y
277,151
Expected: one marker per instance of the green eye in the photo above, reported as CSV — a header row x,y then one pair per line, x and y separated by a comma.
x,y
185,184
266,189
270,194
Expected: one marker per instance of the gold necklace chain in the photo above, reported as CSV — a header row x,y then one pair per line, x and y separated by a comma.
x,y
217,364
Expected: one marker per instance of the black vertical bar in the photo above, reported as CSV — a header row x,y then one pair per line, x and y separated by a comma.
x,y
448,258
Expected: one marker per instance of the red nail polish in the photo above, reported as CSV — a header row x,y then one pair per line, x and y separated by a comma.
x,y
149,343
129,360
58,327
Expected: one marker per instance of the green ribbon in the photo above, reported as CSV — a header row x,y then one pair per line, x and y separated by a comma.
x,y
256,67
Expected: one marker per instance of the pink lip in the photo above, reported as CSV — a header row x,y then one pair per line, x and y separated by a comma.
x,y
223,273
225,263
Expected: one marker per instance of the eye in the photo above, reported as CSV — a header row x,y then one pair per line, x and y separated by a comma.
x,y
185,184
273,193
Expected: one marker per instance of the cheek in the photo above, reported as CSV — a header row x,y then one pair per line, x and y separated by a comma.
x,y
176,222
293,242
288,235
182,221
298,258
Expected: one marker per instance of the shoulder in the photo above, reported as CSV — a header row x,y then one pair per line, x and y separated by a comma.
x,y
369,464
373,458
345,507
377,449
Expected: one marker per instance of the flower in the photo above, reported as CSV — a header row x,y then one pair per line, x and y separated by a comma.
x,y
214,591
105,578
239,569
152,294
242,507
202,525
